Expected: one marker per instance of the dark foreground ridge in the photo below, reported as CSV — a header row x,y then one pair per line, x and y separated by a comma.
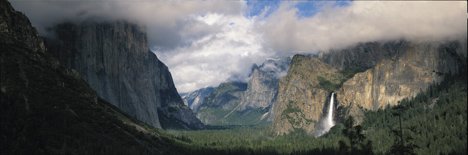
x,y
47,109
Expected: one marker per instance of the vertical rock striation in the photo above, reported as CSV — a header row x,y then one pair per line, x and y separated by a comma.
x,y
114,58
46,108
302,94
367,76
391,80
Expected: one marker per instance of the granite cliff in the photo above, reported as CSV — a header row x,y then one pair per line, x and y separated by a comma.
x,y
411,72
48,109
367,76
302,94
262,87
114,59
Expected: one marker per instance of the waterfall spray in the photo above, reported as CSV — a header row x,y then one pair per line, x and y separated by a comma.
x,y
327,122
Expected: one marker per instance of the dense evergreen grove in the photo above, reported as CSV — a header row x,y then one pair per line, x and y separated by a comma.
x,y
433,122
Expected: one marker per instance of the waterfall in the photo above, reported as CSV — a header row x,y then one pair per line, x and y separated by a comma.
x,y
327,122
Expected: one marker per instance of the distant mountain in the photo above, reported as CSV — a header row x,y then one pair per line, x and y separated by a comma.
x,y
367,76
114,59
48,109
237,103
196,98
263,84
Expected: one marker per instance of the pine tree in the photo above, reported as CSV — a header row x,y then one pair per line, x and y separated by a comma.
x,y
358,144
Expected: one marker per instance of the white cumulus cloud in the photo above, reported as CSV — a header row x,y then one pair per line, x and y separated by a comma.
x,y
227,53
363,21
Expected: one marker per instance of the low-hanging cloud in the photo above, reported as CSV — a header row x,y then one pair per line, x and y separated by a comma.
x,y
363,21
205,43
163,19
202,42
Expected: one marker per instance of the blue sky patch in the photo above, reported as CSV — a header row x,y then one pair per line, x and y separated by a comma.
x,y
257,7
305,8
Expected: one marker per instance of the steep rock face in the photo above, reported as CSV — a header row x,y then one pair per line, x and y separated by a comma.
x,y
392,80
263,84
369,76
258,94
302,94
47,109
113,57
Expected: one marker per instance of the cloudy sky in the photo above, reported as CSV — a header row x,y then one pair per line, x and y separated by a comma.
x,y
205,43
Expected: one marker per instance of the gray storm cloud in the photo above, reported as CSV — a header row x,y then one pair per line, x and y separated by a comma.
x,y
205,43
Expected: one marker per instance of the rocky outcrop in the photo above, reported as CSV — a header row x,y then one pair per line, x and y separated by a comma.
x,y
367,76
303,93
392,80
47,109
114,58
261,90
17,26
262,87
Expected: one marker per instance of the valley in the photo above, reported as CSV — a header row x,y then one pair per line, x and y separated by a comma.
x,y
101,85
444,106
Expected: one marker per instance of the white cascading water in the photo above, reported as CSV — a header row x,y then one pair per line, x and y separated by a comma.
x,y
327,122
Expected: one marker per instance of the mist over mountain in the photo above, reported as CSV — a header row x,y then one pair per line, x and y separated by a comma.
x,y
233,77
221,40
238,103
